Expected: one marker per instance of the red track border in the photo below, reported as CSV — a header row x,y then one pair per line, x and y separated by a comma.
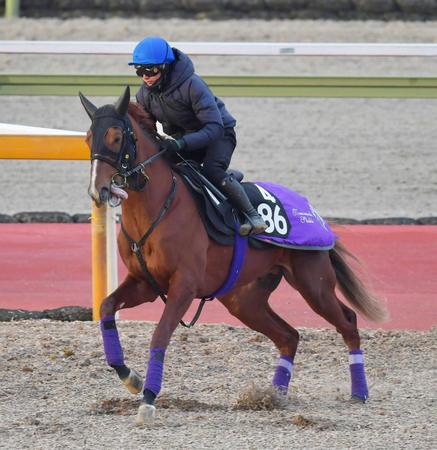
x,y
46,266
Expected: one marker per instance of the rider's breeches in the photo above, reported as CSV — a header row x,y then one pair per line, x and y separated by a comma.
x,y
218,157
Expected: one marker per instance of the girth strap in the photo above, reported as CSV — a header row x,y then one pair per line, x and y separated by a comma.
x,y
239,254
136,248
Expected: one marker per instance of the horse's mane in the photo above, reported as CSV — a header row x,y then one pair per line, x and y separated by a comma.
x,y
144,119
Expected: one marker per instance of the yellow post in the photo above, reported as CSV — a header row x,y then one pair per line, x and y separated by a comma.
x,y
12,8
19,142
99,265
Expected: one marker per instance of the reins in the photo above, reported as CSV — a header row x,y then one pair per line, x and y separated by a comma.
x,y
138,168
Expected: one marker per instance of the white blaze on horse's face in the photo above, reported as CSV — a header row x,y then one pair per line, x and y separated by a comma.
x,y
92,189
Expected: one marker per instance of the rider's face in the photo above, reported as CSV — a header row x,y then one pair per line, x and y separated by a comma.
x,y
150,81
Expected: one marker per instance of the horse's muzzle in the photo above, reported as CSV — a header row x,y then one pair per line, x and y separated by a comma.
x,y
99,197
104,195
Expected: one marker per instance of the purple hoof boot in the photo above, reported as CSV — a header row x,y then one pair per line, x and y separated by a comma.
x,y
360,392
281,390
359,384
283,374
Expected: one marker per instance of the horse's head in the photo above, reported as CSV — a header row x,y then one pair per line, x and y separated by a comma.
x,y
113,149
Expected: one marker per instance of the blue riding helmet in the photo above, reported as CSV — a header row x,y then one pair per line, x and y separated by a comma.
x,y
152,50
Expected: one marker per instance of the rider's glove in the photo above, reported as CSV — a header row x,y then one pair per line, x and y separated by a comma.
x,y
173,145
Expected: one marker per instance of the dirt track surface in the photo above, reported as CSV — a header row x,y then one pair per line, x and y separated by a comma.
x,y
353,158
57,392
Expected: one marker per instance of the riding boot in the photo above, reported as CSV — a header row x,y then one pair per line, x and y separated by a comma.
x,y
238,197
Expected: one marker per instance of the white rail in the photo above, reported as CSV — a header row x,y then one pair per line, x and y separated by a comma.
x,y
13,129
223,48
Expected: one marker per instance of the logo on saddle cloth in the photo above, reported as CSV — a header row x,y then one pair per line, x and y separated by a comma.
x,y
291,220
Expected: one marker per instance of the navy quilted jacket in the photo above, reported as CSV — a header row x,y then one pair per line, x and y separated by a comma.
x,y
186,106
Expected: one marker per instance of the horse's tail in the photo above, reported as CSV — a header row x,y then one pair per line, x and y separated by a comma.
x,y
353,288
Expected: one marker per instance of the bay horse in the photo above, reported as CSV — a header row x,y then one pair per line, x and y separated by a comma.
x,y
180,260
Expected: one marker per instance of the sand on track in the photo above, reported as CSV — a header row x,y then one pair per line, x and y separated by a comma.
x,y
57,392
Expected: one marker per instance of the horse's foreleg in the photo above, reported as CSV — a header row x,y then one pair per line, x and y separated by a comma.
x,y
130,293
180,297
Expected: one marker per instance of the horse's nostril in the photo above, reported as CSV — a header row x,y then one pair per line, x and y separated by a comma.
x,y
104,195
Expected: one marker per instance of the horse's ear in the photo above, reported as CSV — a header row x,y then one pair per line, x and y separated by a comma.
x,y
89,107
123,102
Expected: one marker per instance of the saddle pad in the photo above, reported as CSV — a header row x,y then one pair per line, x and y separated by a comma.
x,y
292,221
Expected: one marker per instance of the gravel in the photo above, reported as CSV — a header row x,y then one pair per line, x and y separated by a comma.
x,y
57,392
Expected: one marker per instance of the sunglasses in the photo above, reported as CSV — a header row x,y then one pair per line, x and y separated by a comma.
x,y
147,70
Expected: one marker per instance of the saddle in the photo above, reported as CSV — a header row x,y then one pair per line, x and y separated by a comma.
x,y
219,217
292,221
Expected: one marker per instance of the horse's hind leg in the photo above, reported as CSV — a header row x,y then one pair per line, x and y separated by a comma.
x,y
130,293
250,305
314,277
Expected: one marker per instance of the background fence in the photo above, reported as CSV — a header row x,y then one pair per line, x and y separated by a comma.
x,y
236,86
303,9
230,86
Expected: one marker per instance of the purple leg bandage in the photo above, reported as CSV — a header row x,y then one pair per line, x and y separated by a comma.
x,y
155,370
358,376
111,342
283,373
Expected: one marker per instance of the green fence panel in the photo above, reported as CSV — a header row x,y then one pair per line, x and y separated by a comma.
x,y
229,86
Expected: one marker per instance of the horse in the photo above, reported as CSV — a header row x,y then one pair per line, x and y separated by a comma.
x,y
168,254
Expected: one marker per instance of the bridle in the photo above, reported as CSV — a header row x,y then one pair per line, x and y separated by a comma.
x,y
122,159
128,175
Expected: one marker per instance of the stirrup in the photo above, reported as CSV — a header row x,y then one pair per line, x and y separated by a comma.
x,y
245,229
253,225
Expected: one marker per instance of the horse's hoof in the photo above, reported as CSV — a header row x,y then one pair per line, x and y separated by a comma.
x,y
134,382
358,399
145,414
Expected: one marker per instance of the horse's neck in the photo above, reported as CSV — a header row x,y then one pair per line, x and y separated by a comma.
x,y
142,208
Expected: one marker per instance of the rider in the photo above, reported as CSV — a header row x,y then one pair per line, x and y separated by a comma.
x,y
199,124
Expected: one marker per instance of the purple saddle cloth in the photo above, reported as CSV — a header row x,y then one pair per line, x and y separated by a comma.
x,y
292,221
